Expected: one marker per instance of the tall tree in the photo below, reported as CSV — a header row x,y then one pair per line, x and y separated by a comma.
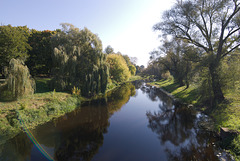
x,y
212,26
13,44
78,61
40,61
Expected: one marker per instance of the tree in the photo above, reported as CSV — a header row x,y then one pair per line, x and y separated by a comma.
x,y
133,60
127,59
153,68
132,69
139,69
13,44
40,61
19,81
175,58
119,71
212,26
78,61
109,50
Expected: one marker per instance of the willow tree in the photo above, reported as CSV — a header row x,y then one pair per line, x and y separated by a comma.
x,y
19,81
78,61
211,26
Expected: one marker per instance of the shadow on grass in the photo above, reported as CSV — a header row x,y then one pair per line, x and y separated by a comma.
x,y
42,85
171,87
185,94
188,97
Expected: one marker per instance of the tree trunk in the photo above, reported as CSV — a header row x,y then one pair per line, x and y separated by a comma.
x,y
216,87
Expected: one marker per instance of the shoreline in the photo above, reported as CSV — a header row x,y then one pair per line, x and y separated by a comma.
x,y
209,124
37,109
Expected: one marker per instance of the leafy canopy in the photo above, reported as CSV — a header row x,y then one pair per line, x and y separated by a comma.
x,y
119,70
13,43
78,61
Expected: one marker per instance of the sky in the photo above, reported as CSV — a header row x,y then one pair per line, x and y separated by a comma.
x,y
126,25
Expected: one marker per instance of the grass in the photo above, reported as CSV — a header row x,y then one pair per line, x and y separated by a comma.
x,y
42,85
34,109
134,78
111,85
226,114
188,95
38,108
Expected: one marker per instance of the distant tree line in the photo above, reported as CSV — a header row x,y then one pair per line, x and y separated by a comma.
x,y
72,57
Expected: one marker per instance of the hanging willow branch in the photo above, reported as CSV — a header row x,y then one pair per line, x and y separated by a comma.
x,y
19,81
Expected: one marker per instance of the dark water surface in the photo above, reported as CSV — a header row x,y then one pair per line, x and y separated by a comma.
x,y
135,122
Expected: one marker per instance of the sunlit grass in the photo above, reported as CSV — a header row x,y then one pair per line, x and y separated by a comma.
x,y
135,77
34,109
226,114
188,95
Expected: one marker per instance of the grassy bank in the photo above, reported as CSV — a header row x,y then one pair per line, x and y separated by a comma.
x,y
113,85
226,114
38,108
34,109
188,95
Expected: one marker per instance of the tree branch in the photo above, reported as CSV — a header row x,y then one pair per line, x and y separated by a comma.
x,y
223,55
231,33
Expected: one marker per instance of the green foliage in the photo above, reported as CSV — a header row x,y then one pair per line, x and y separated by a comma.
x,y
132,69
136,77
42,85
13,44
236,147
230,73
127,59
119,71
198,24
139,69
19,81
109,50
78,61
40,61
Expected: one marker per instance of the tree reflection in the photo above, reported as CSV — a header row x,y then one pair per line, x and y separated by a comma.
x,y
75,136
116,99
79,134
177,132
18,148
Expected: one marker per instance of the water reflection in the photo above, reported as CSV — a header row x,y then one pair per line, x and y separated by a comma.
x,y
177,130
75,136
17,148
83,133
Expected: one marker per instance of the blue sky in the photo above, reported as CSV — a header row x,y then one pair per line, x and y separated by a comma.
x,y
126,25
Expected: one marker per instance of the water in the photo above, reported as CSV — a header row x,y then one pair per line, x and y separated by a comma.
x,y
135,122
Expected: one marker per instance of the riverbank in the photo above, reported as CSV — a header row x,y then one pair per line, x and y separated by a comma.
x,y
226,114
34,110
39,108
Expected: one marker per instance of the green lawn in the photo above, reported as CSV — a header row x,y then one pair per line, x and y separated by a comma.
x,y
188,95
34,109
